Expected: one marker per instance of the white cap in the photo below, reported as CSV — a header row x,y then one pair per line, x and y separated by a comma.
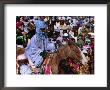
x,y
65,34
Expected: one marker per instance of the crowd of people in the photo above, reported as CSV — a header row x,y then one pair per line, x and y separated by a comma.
x,y
36,36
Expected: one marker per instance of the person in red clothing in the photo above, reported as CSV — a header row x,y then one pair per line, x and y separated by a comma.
x,y
20,24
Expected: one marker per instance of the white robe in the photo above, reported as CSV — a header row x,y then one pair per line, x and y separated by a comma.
x,y
25,69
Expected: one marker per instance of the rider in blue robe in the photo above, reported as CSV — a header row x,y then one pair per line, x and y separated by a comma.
x,y
37,44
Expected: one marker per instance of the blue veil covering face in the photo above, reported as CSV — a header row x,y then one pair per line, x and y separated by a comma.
x,y
36,45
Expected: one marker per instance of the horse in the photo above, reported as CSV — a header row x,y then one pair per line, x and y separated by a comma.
x,y
54,59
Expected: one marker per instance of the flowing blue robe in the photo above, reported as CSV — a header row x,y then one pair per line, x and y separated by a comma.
x,y
36,45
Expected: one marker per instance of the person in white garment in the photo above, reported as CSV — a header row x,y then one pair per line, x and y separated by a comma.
x,y
68,18
57,28
85,49
71,35
74,21
25,69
